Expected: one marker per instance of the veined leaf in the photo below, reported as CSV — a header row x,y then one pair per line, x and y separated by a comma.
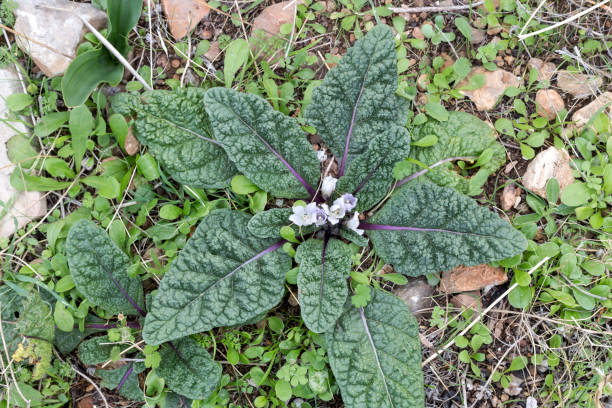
x,y
96,350
357,98
176,129
266,146
224,276
462,135
188,369
324,268
125,379
99,270
375,355
369,176
425,228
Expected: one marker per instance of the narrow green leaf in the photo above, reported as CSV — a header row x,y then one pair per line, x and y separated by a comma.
x,y
107,187
324,268
86,72
81,124
236,55
23,181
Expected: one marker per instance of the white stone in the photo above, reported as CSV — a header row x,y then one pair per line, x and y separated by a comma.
x,y
547,164
23,206
584,114
55,35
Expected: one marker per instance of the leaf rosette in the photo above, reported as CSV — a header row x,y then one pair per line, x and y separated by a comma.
x,y
232,270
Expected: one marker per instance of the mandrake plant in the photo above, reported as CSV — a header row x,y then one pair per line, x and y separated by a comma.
x,y
232,270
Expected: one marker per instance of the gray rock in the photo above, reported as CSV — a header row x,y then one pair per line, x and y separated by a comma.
x,y
579,85
416,294
23,207
55,35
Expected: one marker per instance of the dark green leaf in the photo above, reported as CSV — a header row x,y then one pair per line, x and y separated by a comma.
x,y
188,369
99,270
175,127
425,228
267,224
131,387
370,175
224,276
322,285
375,355
357,98
266,146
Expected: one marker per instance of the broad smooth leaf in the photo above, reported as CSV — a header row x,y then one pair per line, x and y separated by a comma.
x,y
324,268
375,355
370,175
99,270
223,277
424,228
462,135
86,72
266,146
188,369
122,17
94,67
176,129
357,98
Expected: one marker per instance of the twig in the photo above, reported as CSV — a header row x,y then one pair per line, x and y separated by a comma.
x,y
561,23
579,289
484,312
89,380
434,9
106,43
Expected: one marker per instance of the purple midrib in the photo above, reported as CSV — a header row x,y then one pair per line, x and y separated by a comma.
x,y
125,376
294,172
350,130
383,227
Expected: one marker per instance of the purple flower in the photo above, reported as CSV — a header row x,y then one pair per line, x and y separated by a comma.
x,y
348,201
353,223
301,216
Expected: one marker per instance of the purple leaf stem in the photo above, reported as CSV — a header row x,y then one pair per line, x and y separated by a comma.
x,y
307,186
245,263
125,376
123,292
350,131
436,164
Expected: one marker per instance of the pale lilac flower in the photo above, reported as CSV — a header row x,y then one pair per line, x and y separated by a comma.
x,y
334,213
328,187
301,216
318,214
353,223
348,201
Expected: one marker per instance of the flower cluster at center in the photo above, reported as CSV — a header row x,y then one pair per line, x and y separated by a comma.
x,y
322,214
